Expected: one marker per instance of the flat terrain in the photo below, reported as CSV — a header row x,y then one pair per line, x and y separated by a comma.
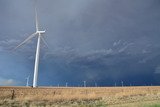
x,y
80,96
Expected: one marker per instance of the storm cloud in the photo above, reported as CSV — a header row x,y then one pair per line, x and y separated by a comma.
x,y
103,42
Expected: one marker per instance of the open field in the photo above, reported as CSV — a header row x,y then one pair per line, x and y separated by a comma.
x,y
80,96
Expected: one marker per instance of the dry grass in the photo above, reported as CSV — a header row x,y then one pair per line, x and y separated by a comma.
x,y
106,95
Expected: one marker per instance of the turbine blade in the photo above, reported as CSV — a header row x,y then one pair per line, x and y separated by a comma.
x,y
44,41
26,40
36,17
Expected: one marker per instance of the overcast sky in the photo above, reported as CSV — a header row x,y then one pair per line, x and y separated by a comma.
x,y
97,41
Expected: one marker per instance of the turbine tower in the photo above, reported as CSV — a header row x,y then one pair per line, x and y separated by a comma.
x,y
39,35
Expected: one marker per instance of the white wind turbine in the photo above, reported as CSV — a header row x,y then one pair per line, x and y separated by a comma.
x,y
27,81
38,33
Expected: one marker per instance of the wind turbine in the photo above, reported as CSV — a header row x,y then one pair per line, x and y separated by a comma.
x,y
27,81
84,83
39,35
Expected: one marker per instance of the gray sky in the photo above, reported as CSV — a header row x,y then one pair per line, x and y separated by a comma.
x,y
103,41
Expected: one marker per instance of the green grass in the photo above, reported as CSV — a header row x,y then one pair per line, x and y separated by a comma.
x,y
14,103
154,105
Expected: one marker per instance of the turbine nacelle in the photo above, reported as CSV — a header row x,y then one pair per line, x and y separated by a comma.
x,y
40,32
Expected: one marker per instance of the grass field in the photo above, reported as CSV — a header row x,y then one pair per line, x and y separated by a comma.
x,y
80,96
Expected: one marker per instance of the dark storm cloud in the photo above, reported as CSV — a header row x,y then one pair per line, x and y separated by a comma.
x,y
104,41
